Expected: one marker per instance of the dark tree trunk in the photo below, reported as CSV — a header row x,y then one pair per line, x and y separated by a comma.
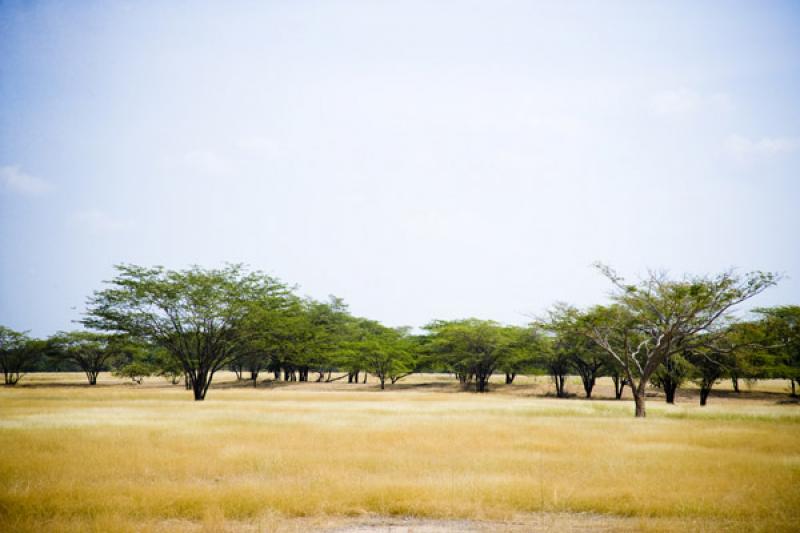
x,y
705,390
588,380
619,385
735,382
669,390
481,382
383,381
199,386
186,383
794,389
560,381
365,376
510,378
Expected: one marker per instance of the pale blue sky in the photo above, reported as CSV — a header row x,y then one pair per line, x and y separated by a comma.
x,y
420,159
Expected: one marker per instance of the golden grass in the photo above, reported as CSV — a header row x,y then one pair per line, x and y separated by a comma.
x,y
118,457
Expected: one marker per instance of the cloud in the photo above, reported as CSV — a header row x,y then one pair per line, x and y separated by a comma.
x,y
18,181
99,222
207,162
744,148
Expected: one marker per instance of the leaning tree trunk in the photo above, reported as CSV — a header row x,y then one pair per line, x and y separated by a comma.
x,y
510,377
588,384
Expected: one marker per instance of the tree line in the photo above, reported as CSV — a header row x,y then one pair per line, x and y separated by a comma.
x,y
187,325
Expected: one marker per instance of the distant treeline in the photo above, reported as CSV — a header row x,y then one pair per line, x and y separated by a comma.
x,y
187,325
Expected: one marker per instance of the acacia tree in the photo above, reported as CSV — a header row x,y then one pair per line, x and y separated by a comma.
x,y
782,331
573,348
672,374
386,352
17,353
660,317
90,351
195,314
470,347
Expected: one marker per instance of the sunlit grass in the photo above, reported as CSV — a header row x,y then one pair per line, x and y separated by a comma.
x,y
124,457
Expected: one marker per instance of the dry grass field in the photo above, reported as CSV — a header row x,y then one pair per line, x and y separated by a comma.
x,y
418,457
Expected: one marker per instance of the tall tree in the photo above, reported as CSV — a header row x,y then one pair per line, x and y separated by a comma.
x,y
195,314
660,317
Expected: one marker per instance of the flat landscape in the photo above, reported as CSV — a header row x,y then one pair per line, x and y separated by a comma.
x,y
421,456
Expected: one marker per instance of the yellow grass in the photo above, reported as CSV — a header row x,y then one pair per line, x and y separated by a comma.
x,y
121,457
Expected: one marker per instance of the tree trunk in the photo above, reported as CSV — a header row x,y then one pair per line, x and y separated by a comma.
x,y
619,385
510,378
588,384
638,398
199,386
705,390
383,381
669,391
735,383
365,376
794,390
481,381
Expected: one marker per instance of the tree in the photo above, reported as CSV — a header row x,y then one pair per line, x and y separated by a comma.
x,y
195,314
136,371
573,348
521,353
470,348
386,352
782,327
671,375
17,353
90,351
660,317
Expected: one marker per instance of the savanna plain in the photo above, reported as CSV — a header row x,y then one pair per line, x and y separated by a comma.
x,y
421,456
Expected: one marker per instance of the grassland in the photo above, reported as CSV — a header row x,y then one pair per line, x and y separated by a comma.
x,y
422,457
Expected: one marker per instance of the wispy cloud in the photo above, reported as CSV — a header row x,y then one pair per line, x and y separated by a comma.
x,y
745,148
19,182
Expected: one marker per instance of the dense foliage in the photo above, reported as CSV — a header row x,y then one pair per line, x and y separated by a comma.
x,y
187,325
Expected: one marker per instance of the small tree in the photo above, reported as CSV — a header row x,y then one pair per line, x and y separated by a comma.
x,y
671,375
660,317
470,348
90,351
17,353
782,332
386,352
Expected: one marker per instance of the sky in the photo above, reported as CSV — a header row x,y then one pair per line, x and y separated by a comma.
x,y
422,160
